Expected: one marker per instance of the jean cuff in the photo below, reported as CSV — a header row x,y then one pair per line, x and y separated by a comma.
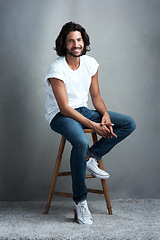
x,y
91,154
80,199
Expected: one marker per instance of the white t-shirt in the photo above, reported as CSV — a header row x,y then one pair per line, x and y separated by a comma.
x,y
77,83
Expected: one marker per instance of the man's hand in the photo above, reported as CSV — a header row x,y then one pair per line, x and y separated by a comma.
x,y
106,121
101,130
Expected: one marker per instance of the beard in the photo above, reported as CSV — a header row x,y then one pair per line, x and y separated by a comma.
x,y
71,52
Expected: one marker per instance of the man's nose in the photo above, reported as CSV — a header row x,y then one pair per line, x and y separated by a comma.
x,y
76,44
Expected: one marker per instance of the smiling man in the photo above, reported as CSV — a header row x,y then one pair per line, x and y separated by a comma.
x,y
74,44
69,80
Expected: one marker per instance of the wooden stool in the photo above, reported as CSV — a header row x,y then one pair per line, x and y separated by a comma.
x,y
56,173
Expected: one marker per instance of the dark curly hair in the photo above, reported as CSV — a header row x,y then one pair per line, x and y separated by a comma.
x,y
61,39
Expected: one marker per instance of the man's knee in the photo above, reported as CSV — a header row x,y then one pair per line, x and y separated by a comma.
x,y
131,124
81,142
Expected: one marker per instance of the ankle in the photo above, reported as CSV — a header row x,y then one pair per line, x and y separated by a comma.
x,y
88,157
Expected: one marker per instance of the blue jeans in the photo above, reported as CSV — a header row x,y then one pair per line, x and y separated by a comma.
x,y
73,132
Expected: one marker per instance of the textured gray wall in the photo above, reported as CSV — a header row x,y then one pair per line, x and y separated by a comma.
x,y
125,40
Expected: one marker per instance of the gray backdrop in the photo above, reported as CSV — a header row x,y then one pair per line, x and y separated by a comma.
x,y
125,40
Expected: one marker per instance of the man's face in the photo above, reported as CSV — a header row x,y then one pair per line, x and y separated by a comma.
x,y
74,44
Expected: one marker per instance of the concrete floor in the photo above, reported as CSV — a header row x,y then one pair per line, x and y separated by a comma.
x,y
131,220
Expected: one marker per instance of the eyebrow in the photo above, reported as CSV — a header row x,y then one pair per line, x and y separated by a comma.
x,y
71,39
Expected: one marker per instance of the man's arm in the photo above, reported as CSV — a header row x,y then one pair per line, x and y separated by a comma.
x,y
60,93
99,104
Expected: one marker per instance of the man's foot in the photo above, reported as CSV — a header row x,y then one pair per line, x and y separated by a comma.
x,y
83,214
92,167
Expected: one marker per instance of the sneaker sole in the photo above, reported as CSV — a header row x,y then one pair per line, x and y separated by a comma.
x,y
98,175
82,223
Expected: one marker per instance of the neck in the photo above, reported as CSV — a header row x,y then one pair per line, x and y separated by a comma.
x,y
73,62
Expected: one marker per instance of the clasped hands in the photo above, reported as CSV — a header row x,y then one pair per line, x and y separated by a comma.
x,y
105,128
108,128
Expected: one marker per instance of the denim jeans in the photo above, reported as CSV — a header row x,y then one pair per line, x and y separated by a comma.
x,y
73,132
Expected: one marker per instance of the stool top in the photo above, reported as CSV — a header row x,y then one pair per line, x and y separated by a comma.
x,y
88,130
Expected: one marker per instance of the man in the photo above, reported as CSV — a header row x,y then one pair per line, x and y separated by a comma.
x,y
68,81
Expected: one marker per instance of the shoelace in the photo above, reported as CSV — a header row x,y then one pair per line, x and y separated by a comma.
x,y
94,163
84,211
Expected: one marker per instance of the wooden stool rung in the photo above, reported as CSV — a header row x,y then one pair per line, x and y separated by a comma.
x,y
95,191
63,194
61,174
89,176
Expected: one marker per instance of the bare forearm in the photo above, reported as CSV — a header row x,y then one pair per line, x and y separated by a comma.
x,y
72,113
99,105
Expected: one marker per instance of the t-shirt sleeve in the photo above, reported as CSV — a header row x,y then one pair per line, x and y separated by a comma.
x,y
93,66
54,72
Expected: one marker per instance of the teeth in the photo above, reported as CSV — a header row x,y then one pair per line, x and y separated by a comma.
x,y
76,49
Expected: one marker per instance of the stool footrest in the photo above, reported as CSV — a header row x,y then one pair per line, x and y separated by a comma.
x,y
95,191
63,194
90,176
62,174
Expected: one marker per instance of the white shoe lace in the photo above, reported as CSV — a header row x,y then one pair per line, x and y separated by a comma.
x,y
93,168
84,212
94,163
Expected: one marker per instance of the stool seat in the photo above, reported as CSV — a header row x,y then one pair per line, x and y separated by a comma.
x,y
57,174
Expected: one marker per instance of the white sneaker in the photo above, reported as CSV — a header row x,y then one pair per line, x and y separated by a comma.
x,y
92,167
83,214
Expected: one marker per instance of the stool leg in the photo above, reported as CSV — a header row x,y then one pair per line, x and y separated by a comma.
x,y
75,215
103,181
55,174
105,190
